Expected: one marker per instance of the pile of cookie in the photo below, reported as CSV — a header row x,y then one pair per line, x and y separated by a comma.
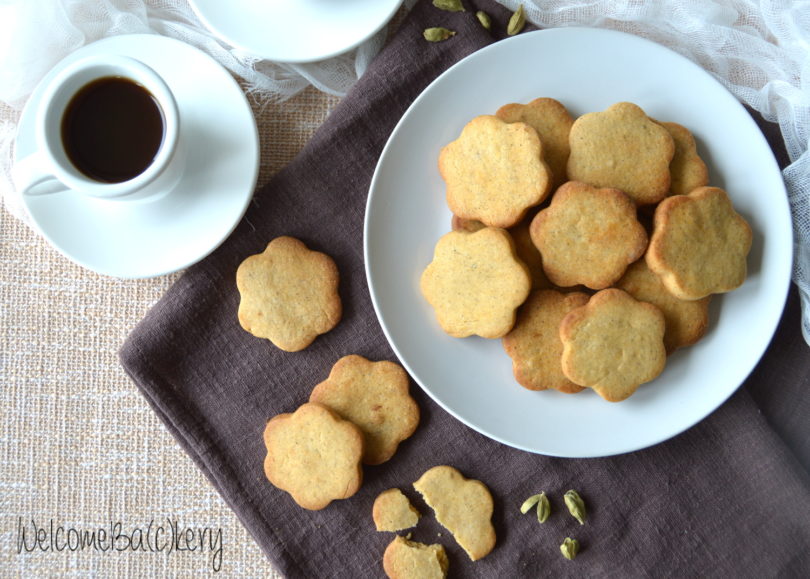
x,y
358,415
591,246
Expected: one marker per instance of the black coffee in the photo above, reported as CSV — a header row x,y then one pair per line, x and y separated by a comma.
x,y
112,129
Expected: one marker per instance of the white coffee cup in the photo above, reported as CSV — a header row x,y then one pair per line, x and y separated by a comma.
x,y
49,169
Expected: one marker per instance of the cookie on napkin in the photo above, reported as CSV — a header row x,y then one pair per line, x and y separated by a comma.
x,y
463,506
404,559
392,511
314,455
375,397
288,294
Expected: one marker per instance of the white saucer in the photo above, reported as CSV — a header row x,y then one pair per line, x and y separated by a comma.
x,y
298,30
131,239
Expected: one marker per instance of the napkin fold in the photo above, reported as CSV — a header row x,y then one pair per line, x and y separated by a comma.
x,y
729,497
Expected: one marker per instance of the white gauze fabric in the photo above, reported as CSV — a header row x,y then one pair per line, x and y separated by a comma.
x,y
760,51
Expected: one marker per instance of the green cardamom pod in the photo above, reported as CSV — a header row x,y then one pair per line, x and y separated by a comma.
x,y
449,5
516,22
484,19
543,508
541,502
576,506
530,502
569,548
437,34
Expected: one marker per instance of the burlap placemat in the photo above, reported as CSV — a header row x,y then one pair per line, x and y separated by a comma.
x,y
79,446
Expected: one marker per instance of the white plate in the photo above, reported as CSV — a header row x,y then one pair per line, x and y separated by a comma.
x,y
295,30
144,239
587,70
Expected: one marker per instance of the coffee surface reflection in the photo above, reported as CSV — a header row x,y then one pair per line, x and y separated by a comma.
x,y
112,129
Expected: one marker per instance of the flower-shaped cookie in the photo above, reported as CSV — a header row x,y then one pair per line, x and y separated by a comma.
x,y
687,170
686,320
613,344
314,455
534,343
699,244
374,396
463,506
475,282
622,148
588,235
524,247
494,171
289,294
552,122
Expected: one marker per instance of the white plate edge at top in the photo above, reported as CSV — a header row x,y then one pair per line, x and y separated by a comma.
x,y
248,44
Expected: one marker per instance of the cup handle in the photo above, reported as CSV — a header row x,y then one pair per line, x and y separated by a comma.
x,y
31,176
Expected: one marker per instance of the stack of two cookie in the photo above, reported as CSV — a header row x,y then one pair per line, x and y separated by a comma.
x,y
583,294
358,415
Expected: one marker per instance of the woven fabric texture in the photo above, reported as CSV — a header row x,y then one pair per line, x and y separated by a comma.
x,y
79,446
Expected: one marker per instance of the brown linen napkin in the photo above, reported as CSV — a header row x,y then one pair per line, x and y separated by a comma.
x,y
726,498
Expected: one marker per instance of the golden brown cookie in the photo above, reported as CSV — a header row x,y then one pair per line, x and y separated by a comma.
x,y
468,225
613,344
686,321
699,244
687,170
374,396
494,171
475,282
463,506
314,455
528,253
588,235
534,343
624,149
552,122
524,247
392,511
404,559
288,294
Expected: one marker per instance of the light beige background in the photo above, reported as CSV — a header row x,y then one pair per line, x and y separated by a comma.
x,y
78,443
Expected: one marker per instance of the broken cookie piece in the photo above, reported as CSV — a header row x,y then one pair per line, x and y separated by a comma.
x,y
392,511
463,506
404,559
